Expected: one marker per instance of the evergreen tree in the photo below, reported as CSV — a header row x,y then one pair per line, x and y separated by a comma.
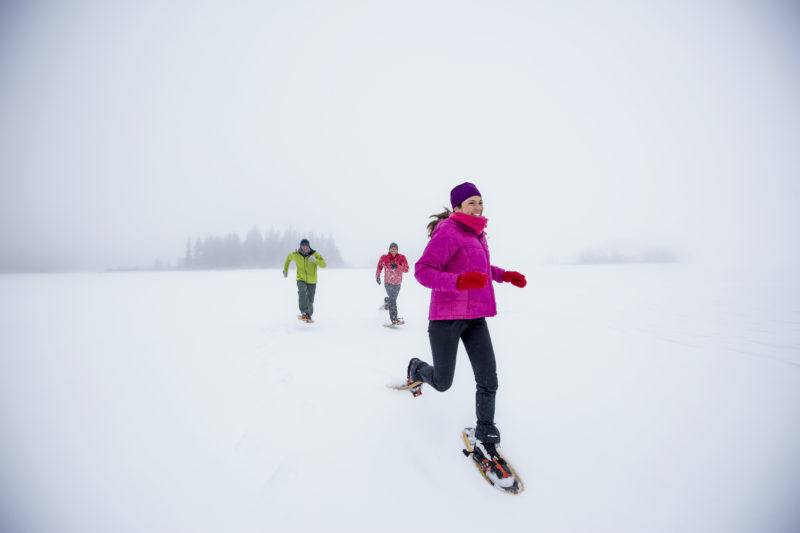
x,y
199,254
187,258
253,249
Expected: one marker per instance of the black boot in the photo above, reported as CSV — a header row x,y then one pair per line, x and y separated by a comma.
x,y
492,463
411,376
413,364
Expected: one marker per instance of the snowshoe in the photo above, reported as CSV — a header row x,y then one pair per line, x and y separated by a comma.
x,y
492,465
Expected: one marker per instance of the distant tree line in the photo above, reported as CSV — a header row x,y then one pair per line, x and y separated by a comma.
x,y
256,250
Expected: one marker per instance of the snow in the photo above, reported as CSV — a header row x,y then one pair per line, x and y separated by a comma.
x,y
633,398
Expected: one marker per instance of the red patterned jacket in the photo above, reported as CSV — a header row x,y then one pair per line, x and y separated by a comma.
x,y
392,275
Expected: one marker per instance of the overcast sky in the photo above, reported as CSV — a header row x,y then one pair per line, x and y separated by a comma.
x,y
128,127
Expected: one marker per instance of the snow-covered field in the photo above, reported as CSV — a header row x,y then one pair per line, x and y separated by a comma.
x,y
635,398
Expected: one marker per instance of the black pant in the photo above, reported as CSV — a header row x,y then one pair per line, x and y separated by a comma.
x,y
474,333
391,300
305,295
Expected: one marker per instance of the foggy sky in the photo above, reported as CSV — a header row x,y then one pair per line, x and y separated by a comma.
x,y
126,128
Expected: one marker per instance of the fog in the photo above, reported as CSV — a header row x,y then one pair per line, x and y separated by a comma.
x,y
127,128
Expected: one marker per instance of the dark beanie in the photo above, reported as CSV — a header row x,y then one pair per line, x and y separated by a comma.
x,y
462,192
393,245
304,241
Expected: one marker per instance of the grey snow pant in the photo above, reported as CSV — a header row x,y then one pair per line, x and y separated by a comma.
x,y
474,333
391,300
305,295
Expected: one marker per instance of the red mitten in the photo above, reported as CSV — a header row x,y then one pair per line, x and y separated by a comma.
x,y
472,280
515,278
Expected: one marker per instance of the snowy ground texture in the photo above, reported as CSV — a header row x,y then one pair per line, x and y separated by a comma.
x,y
632,399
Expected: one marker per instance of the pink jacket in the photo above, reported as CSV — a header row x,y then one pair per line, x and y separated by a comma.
x,y
454,249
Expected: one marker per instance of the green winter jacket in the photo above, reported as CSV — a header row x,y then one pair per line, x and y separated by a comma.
x,y
306,270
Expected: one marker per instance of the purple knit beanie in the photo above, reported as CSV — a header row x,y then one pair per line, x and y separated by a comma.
x,y
462,192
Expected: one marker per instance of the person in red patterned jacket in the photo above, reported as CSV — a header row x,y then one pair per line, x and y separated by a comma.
x,y
394,264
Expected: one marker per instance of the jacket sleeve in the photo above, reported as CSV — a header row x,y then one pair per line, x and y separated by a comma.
x,y
286,263
403,264
380,267
428,270
497,274
320,261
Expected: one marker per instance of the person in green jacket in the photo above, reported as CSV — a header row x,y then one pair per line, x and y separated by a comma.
x,y
307,261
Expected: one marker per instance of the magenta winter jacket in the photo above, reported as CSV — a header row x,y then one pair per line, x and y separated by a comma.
x,y
454,249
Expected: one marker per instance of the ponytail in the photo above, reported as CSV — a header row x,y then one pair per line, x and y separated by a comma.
x,y
441,216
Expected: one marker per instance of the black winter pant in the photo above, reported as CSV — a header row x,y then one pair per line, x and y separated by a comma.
x,y
391,300
474,333
305,296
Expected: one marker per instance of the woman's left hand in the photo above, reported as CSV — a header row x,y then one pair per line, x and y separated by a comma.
x,y
516,279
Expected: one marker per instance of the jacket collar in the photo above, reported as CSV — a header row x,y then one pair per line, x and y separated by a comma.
x,y
473,223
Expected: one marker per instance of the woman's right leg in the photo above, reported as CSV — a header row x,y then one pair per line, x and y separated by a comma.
x,y
478,345
444,336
